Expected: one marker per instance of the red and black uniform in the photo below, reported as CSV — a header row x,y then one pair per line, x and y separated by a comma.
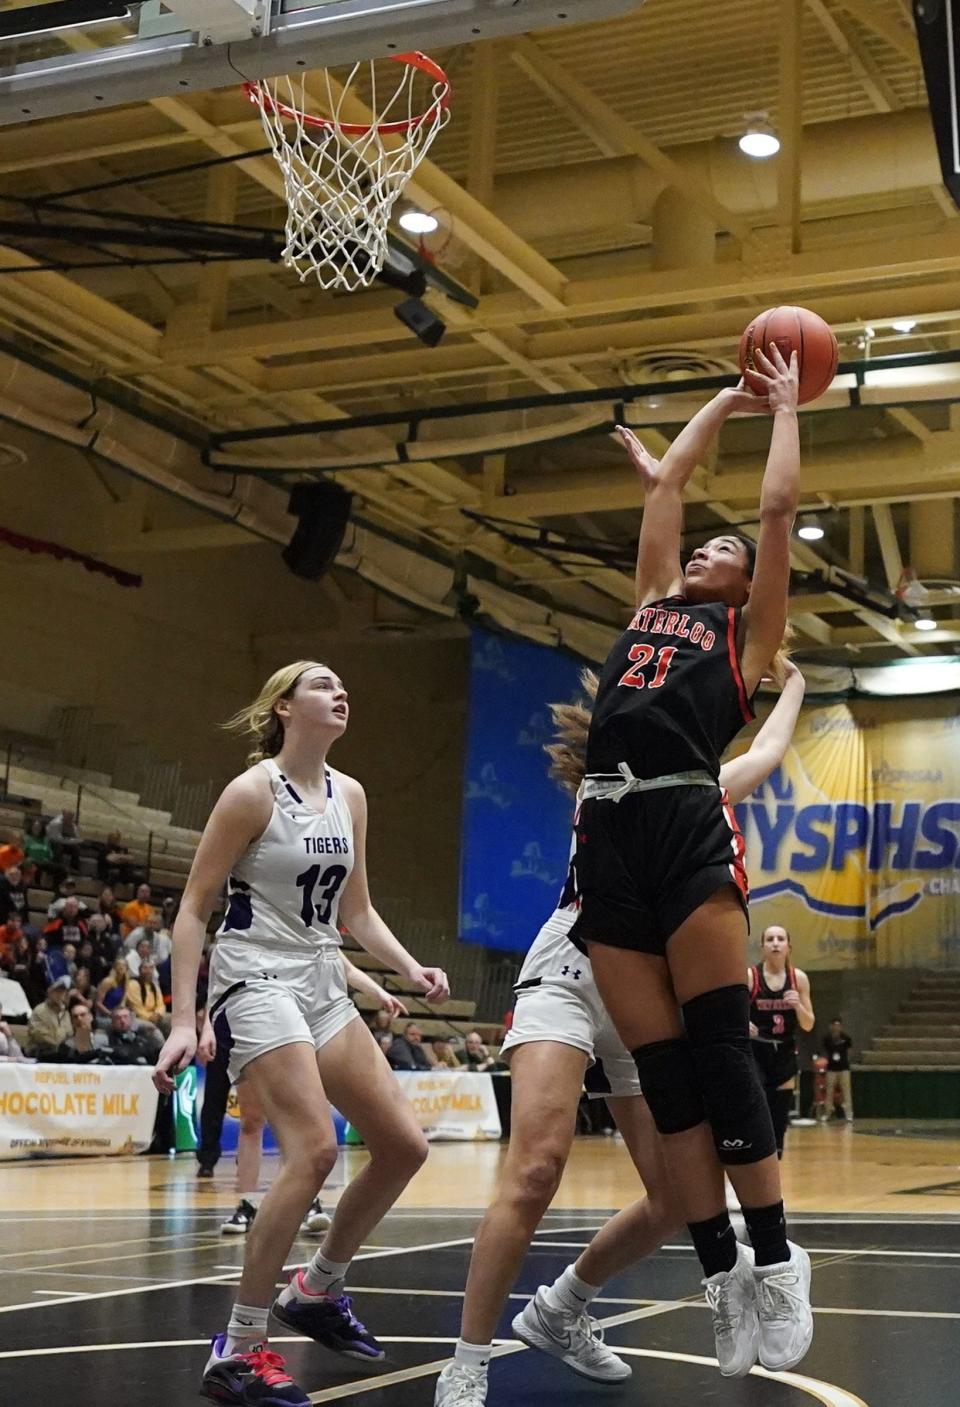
x,y
775,1045
670,700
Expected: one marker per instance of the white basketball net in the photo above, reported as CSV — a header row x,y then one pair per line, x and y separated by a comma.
x,y
342,179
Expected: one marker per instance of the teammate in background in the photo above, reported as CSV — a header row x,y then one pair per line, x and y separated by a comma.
x,y
290,835
836,1047
779,1002
561,1038
253,1123
661,878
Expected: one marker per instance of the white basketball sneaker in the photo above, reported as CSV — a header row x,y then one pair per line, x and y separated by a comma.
x,y
783,1308
460,1386
574,1338
732,1297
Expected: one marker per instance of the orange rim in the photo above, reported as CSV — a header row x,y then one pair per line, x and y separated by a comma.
x,y
259,95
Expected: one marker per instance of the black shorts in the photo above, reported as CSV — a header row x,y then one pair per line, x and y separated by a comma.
x,y
645,863
776,1061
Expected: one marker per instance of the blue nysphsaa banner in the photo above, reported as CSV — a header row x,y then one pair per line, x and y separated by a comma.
x,y
854,842
516,821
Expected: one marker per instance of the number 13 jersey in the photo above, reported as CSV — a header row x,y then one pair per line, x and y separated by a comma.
x,y
284,892
671,695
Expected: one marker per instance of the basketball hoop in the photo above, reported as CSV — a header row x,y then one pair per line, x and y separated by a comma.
x,y
342,179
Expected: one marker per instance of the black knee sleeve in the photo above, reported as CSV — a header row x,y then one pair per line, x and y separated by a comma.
x,y
669,1084
780,1102
718,1029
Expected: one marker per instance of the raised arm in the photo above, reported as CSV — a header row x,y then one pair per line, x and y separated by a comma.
x,y
742,775
659,572
239,817
765,614
362,919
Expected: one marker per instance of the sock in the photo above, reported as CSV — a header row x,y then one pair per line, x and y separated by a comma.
x,y
714,1243
569,1292
767,1230
472,1355
325,1277
254,1198
247,1328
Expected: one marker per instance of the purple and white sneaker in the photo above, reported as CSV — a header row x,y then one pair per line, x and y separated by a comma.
x,y
328,1321
257,1378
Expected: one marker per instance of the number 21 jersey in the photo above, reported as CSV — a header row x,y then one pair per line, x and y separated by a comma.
x,y
671,695
284,891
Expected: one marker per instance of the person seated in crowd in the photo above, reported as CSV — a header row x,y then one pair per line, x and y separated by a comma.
x,y
152,930
13,894
407,1052
127,1045
38,852
444,1055
64,838
20,967
61,961
107,908
143,951
380,1022
67,889
137,911
11,851
112,990
11,931
87,957
145,1000
116,864
68,927
84,1041
83,987
384,1040
10,1051
49,1025
475,1055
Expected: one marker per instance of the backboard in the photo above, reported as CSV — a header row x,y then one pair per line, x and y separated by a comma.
x,y
63,56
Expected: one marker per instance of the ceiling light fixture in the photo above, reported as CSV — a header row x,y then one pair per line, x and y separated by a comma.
x,y
418,222
904,324
759,140
925,623
810,529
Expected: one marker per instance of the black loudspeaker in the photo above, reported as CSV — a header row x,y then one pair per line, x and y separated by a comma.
x,y
324,511
938,33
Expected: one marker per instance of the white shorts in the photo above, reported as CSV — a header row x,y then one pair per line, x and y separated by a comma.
x,y
261,998
557,1000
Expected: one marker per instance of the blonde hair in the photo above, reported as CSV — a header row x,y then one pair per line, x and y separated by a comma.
x,y
571,721
776,667
259,721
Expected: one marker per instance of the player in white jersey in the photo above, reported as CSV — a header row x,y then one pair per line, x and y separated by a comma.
x,y
289,839
561,1040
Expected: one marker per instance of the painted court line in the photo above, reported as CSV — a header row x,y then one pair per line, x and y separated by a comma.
x,y
851,1251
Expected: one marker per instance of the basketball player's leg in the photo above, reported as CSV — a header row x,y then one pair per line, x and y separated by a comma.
x,y
546,1081
361,1085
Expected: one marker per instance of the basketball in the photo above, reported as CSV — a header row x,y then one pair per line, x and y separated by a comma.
x,y
793,330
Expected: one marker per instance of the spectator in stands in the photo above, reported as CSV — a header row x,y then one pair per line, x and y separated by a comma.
x,y
381,1021
106,945
10,934
9,1047
21,969
49,1025
88,959
62,961
116,865
83,987
151,930
11,852
107,908
475,1054
406,1052
444,1055
67,889
135,914
68,927
127,1045
145,1000
85,1041
38,852
13,894
112,991
64,838
143,952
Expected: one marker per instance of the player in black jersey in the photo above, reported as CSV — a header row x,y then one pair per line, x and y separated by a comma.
x,y
660,866
779,1003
